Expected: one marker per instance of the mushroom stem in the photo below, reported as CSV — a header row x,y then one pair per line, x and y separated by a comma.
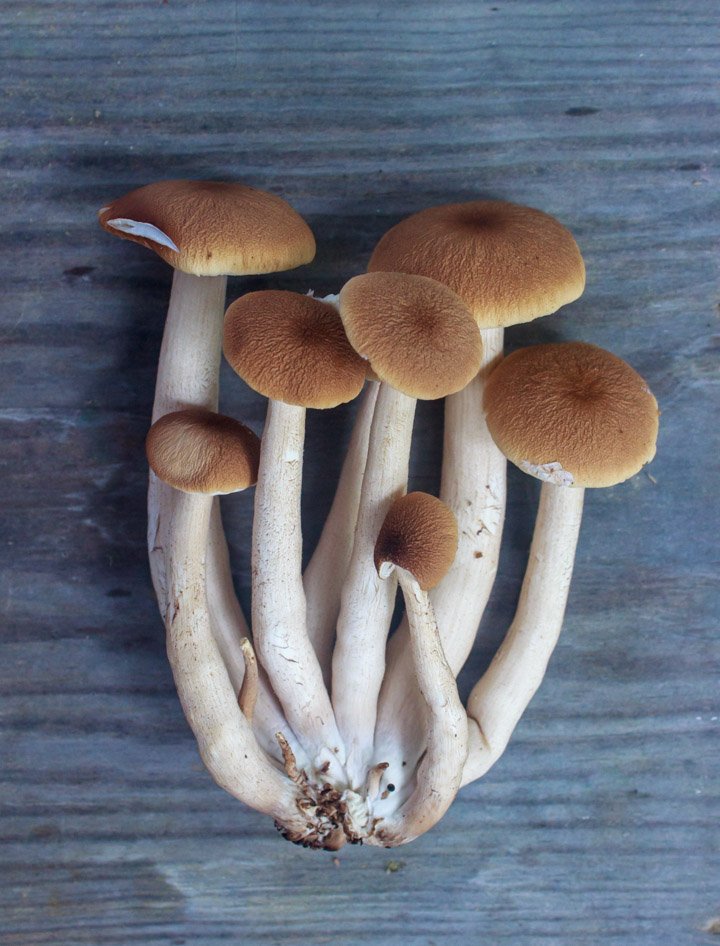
x,y
188,376
230,628
325,573
228,621
445,720
474,486
189,363
278,598
500,697
367,602
209,700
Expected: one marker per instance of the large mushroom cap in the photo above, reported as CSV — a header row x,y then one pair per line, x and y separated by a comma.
x,y
572,414
198,451
508,263
420,535
292,348
208,228
417,334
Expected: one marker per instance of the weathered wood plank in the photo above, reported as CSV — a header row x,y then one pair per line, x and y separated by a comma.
x,y
600,822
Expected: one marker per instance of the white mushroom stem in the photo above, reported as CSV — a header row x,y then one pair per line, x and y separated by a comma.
x,y
325,574
188,372
367,602
445,721
189,363
188,376
230,628
501,695
228,620
474,486
209,699
278,598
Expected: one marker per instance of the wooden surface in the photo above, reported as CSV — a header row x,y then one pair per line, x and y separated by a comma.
x,y
599,825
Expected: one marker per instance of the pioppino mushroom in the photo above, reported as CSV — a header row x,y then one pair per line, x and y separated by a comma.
x,y
574,416
422,342
199,451
205,230
292,349
418,541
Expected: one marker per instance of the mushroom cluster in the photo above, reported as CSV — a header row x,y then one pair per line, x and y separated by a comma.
x,y
318,716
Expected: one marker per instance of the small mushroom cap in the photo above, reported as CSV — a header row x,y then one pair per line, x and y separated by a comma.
x,y
198,451
208,228
292,348
572,414
417,335
420,535
508,263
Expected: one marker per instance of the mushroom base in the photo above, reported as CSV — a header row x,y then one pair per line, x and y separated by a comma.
x,y
332,815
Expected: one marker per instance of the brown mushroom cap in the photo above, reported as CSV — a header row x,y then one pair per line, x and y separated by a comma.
x,y
292,348
572,414
218,228
417,334
508,263
420,535
198,451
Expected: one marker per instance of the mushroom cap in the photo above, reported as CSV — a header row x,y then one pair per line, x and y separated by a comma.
x,y
417,335
508,263
420,535
572,414
198,451
292,348
209,228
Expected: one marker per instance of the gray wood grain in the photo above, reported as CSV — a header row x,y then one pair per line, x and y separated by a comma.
x,y
600,822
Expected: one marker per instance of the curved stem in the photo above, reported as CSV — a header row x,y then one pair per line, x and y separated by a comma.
x,y
188,375
446,726
228,620
230,627
501,695
474,487
278,599
367,602
325,574
209,700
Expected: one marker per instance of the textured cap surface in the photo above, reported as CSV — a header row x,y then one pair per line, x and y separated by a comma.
x,y
420,535
572,414
508,263
417,334
198,451
292,348
216,228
